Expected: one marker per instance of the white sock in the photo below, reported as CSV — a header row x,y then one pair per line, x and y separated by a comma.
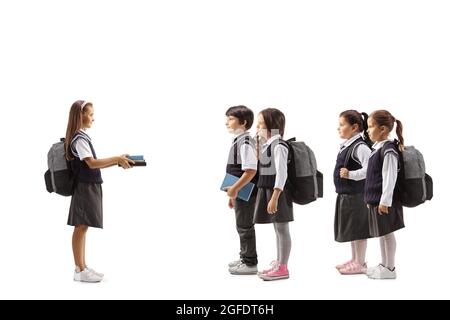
x,y
390,247
383,251
353,251
360,251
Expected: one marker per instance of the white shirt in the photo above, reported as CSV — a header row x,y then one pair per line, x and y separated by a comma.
x,y
361,154
248,153
81,148
389,173
280,155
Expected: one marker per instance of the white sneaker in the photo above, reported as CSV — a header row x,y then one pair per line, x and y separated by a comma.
x,y
95,272
383,273
371,270
243,269
86,276
233,264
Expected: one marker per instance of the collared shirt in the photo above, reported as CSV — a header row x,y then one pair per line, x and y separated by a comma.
x,y
81,148
249,160
389,173
280,155
360,154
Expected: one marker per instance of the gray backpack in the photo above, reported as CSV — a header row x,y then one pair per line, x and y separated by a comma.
x,y
414,186
59,177
305,182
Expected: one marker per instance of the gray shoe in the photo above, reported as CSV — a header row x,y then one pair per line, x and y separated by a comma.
x,y
233,264
243,269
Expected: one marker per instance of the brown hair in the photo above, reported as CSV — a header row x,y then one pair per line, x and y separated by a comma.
x,y
354,117
75,123
274,120
385,118
242,113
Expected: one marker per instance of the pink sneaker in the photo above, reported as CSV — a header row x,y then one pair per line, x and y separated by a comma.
x,y
343,265
273,265
279,273
354,268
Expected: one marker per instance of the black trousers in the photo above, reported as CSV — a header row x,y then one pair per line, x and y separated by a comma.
x,y
246,229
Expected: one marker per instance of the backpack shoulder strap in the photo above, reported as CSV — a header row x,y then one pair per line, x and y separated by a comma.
x,y
388,146
352,148
79,135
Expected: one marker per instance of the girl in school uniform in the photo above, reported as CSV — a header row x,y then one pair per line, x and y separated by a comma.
x,y
385,209
273,204
86,208
351,222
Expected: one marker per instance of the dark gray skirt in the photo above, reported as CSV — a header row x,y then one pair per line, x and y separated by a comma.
x,y
86,206
351,221
380,225
285,211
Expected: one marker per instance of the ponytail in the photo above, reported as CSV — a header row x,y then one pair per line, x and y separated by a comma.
x,y
364,118
399,132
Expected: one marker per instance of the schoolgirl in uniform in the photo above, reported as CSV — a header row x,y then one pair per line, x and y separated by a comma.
x,y
273,203
242,163
385,209
86,209
351,222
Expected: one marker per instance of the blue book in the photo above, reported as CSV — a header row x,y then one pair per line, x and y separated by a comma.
x,y
134,158
244,193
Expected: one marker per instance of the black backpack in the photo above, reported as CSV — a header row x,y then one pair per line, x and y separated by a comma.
x,y
414,186
305,182
59,177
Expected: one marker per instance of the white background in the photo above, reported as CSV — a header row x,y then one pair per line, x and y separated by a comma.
x,y
161,75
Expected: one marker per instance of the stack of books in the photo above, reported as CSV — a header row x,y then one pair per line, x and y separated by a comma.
x,y
139,161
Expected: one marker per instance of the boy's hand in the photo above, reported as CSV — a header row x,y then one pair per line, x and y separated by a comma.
x,y
230,203
232,193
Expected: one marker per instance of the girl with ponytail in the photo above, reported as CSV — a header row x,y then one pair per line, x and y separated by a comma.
x,y
351,222
385,209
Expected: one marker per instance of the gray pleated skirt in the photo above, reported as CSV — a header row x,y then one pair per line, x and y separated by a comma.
x,y
380,225
86,206
285,211
351,220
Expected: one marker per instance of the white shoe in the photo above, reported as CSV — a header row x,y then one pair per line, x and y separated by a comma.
x,y
95,272
243,269
86,276
383,273
233,264
371,270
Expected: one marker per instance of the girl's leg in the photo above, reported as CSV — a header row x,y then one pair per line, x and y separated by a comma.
x,y
280,271
278,242
284,242
390,245
360,251
383,251
83,249
78,241
353,251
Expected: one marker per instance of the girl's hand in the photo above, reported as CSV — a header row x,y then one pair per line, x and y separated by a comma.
x,y
124,162
344,173
383,209
272,206
230,203
232,193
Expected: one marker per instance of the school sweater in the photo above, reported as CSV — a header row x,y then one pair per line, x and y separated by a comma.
x,y
357,166
80,167
382,174
242,156
272,165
